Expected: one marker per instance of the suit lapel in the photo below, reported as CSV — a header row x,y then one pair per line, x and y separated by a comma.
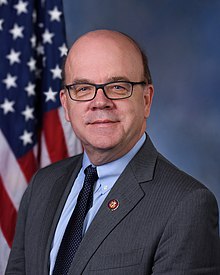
x,y
128,192
57,199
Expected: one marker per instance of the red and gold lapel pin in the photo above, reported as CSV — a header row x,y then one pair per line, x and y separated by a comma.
x,y
113,204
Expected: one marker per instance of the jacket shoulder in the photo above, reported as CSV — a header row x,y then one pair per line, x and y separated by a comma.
x,y
60,166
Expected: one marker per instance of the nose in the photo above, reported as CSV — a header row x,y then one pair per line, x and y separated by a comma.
x,y
101,101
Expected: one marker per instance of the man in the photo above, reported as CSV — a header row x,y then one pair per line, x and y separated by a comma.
x,y
147,217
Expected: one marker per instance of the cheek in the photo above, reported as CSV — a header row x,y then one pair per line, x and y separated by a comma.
x,y
132,114
74,115
137,116
138,107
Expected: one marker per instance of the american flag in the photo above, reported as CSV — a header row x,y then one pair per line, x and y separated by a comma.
x,y
33,130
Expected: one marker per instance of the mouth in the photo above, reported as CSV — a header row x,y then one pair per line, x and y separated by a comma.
x,y
101,121
103,124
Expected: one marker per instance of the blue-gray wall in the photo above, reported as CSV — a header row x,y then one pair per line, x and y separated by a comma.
x,y
182,40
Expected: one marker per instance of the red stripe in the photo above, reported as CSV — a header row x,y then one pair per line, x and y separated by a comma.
x,y
28,164
54,136
8,215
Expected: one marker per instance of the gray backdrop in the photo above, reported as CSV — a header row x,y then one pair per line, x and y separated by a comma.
x,y
182,41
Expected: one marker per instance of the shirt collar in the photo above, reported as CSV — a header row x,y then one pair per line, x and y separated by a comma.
x,y
108,173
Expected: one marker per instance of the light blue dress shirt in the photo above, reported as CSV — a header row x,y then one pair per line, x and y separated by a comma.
x,y
108,174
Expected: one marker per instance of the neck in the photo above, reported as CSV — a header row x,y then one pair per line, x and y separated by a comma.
x,y
102,156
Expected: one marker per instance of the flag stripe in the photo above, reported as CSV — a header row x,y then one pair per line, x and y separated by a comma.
x,y
73,144
8,215
14,181
28,164
57,148
45,158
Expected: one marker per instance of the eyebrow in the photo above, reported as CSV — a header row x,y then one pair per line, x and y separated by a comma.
x,y
110,79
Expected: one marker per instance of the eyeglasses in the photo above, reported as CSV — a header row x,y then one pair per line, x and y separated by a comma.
x,y
112,90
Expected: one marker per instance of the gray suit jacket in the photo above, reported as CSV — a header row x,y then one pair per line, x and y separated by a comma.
x,y
166,222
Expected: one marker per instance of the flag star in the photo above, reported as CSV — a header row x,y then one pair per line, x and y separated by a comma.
x,y
26,137
33,41
21,7
50,95
38,73
16,31
32,64
56,72
44,61
55,14
7,106
47,36
30,89
2,2
40,49
41,25
13,57
28,113
34,16
10,81
63,50
1,23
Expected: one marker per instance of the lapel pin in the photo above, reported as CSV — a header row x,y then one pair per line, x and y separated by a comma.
x,y
113,204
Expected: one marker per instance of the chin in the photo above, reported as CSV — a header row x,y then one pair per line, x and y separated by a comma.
x,y
104,145
103,142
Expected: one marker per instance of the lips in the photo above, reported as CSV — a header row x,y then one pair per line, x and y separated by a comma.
x,y
101,118
105,121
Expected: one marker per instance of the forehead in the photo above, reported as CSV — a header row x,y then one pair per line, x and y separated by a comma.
x,y
98,57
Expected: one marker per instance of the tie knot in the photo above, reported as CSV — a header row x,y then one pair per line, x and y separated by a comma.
x,y
91,173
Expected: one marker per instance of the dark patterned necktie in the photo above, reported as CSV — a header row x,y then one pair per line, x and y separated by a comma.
x,y
73,234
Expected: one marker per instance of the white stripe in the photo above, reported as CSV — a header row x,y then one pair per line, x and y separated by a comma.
x,y
35,151
45,158
4,253
12,176
74,146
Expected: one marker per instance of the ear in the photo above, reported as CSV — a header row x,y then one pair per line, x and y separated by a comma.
x,y
64,102
148,98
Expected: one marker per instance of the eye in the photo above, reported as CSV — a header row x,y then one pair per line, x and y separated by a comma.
x,y
82,88
118,87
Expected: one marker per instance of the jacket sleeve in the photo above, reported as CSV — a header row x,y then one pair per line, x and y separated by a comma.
x,y
190,242
16,262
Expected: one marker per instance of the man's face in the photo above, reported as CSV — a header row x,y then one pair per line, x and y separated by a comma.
x,y
108,129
